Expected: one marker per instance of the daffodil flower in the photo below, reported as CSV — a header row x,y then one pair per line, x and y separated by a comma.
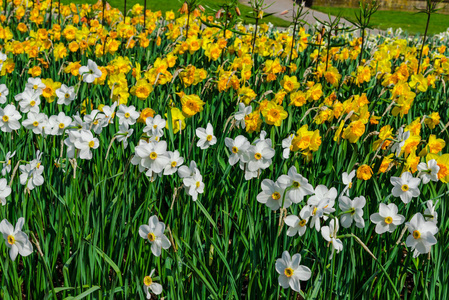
x,y
387,219
291,272
5,191
329,233
149,284
90,72
206,137
405,187
15,239
154,233
421,236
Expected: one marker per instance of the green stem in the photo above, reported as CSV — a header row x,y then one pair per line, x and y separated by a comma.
x,y
424,42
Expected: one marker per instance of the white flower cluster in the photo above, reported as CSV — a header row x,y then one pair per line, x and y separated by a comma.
x,y
254,157
153,158
293,188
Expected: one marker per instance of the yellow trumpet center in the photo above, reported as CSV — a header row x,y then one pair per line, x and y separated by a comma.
x,y
35,123
388,220
147,280
61,125
416,234
198,184
257,156
276,196
33,103
404,188
35,86
296,184
151,237
314,210
11,240
91,144
302,223
67,95
174,164
5,118
155,126
235,150
153,155
127,115
209,138
288,272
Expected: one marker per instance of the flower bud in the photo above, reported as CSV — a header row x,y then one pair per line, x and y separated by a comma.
x,y
184,8
237,10
284,12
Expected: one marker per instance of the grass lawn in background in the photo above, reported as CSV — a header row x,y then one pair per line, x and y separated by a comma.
x,y
411,22
211,7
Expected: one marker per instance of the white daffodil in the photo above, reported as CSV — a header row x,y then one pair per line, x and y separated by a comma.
x,y
428,171
189,171
321,203
96,121
149,284
242,113
32,174
405,187
206,137
175,161
70,141
36,122
194,185
401,138
15,239
298,186
7,165
65,94
9,118
259,156
155,126
3,58
248,174
28,101
123,134
387,219
287,145
272,195
58,123
79,123
356,211
297,225
85,143
291,272
262,137
108,114
329,233
421,236
153,156
90,72
35,85
3,93
127,114
238,147
154,233
5,190
430,214
347,181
